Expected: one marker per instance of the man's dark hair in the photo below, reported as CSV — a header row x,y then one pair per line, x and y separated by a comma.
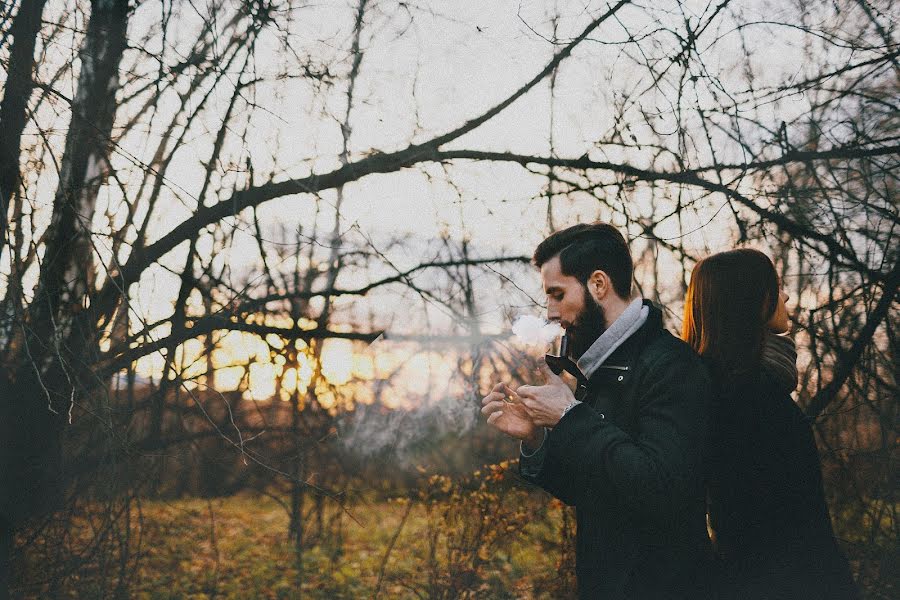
x,y
585,248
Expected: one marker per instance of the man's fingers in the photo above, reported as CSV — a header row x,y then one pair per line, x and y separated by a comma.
x,y
498,392
493,418
492,397
550,376
531,391
491,407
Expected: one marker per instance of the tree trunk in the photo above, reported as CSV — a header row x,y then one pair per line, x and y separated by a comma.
x,y
53,353
6,546
14,107
13,117
296,524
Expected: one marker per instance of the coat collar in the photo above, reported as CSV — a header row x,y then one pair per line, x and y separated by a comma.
x,y
628,323
623,358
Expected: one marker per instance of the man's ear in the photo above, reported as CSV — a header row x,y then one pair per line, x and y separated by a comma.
x,y
599,285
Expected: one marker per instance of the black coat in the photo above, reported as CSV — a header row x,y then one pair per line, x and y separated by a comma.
x,y
630,459
767,506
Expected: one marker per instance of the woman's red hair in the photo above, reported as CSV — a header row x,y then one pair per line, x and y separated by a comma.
x,y
731,297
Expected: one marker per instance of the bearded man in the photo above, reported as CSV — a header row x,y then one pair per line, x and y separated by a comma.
x,y
626,448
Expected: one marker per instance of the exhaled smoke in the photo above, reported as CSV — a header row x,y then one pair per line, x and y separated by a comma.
x,y
535,331
403,435
451,407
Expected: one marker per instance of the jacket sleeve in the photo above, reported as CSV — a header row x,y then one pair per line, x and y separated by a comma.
x,y
655,474
544,470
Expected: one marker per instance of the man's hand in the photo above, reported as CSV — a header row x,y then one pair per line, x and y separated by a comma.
x,y
510,417
544,404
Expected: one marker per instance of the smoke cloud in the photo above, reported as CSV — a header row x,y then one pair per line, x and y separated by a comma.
x,y
404,435
450,407
535,331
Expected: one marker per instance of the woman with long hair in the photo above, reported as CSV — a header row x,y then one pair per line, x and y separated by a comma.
x,y
767,513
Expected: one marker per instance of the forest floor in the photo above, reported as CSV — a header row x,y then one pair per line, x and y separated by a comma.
x,y
240,548
473,539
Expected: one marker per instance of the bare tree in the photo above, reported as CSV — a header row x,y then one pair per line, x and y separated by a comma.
x,y
702,135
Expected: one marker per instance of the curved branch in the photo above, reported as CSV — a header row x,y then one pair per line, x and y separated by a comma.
x,y
680,177
847,362
365,289
117,359
380,162
842,152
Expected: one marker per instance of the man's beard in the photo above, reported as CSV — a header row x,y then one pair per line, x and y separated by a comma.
x,y
588,326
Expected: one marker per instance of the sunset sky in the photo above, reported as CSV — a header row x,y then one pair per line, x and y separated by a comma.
x,y
426,69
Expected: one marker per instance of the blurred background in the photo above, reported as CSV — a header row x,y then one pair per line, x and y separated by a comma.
x,y
261,259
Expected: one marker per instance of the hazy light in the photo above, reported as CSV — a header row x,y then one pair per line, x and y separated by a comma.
x,y
262,381
337,361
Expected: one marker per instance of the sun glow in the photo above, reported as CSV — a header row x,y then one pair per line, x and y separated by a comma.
x,y
276,368
337,361
259,367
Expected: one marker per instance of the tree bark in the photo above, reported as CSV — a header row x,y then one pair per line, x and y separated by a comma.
x,y
38,393
13,117
14,107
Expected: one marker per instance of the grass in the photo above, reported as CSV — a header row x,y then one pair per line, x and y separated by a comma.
x,y
239,548
476,538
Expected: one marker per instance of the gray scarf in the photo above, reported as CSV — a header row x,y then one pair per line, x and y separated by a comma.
x,y
631,319
779,359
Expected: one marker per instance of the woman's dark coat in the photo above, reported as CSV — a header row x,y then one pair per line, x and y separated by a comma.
x,y
630,459
766,502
